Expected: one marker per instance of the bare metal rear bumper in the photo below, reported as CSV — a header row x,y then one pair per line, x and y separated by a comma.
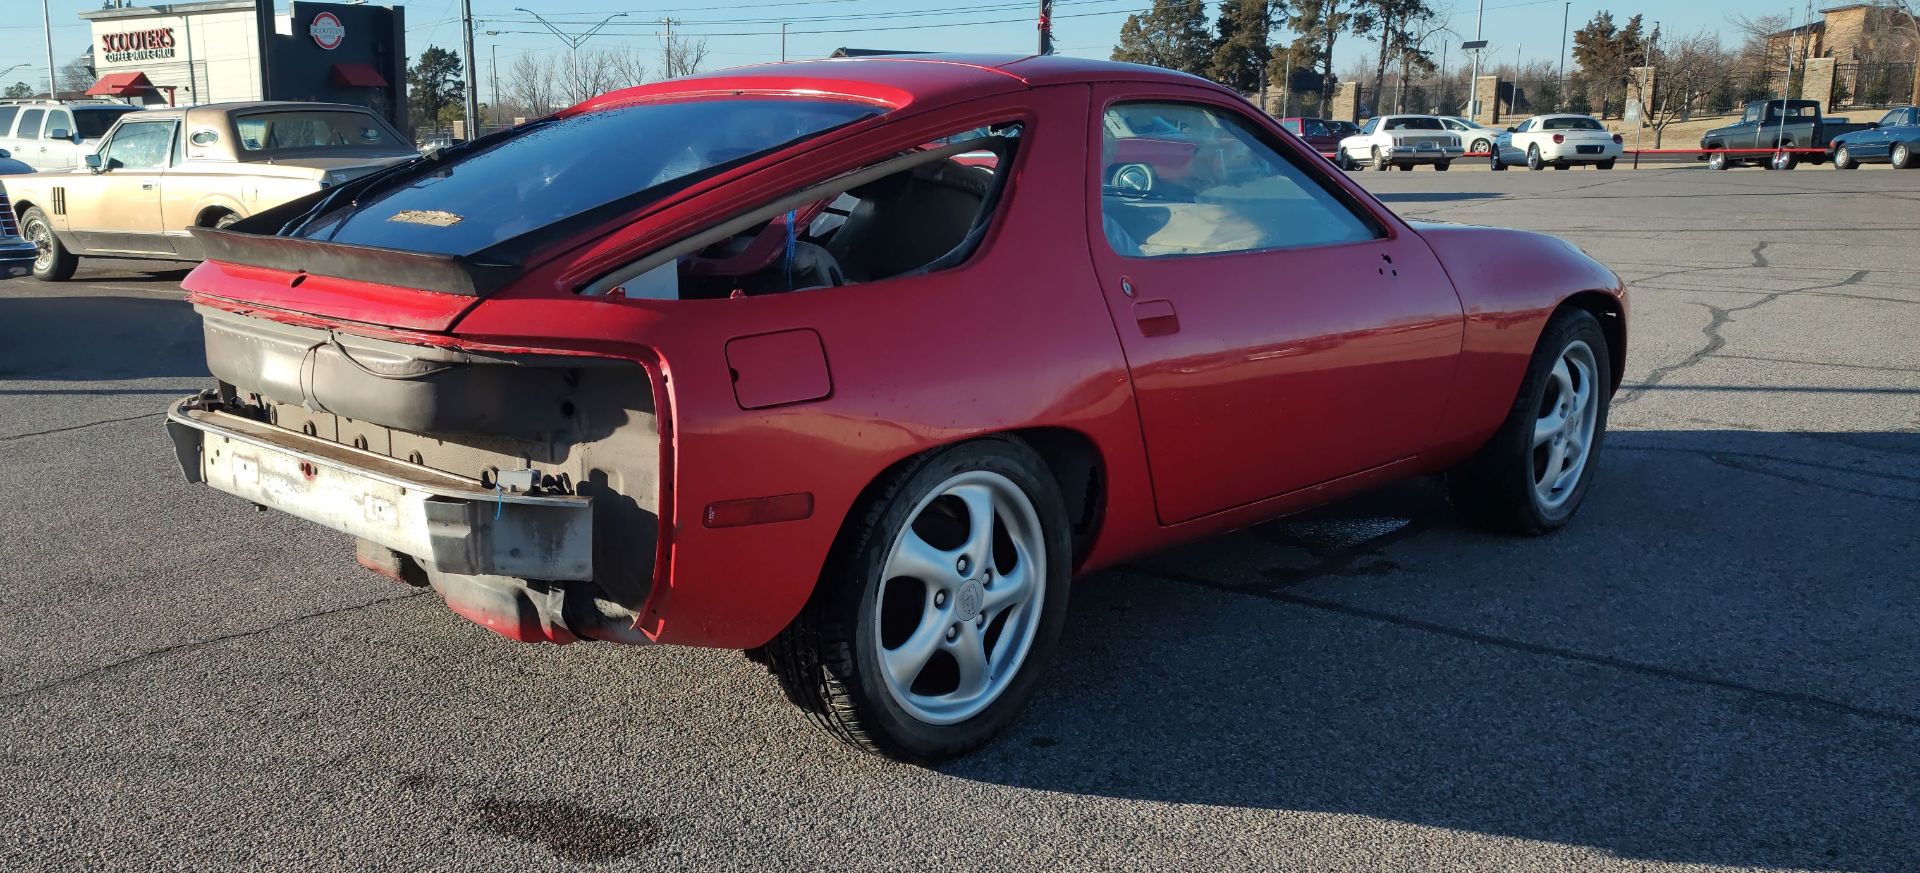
x,y
447,521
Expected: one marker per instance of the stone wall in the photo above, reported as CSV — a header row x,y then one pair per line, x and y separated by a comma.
x,y
1346,102
1486,93
1817,84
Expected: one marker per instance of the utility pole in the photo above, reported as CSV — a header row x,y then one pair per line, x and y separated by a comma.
x,y
473,71
493,74
1565,10
53,75
1473,82
1046,27
783,42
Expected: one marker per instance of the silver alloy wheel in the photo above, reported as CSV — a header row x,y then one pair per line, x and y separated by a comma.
x,y
42,238
1563,431
952,644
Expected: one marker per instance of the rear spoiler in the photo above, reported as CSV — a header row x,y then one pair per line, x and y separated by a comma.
x,y
447,274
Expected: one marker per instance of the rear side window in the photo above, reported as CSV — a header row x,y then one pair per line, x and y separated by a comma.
x,y
30,124
93,123
1214,187
553,170
7,114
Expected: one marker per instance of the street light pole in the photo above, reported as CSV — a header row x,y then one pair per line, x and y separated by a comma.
x,y
1473,83
1565,10
53,85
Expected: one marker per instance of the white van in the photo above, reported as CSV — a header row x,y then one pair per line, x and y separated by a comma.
x,y
55,134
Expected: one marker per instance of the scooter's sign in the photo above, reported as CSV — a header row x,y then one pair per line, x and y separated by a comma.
x,y
137,45
327,31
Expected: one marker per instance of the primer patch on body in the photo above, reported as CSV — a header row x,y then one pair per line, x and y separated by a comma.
x,y
429,217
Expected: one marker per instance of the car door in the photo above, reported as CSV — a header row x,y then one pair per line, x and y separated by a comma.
x,y
117,209
25,143
57,148
1877,142
1280,329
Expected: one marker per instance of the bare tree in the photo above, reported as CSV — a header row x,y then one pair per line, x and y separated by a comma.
x,y
531,85
1685,70
629,67
588,73
680,54
76,76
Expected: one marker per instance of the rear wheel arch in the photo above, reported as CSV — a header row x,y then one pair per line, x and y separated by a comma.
x,y
1605,309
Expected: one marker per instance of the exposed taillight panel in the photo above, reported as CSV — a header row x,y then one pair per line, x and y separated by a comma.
x,y
1617,140
1559,138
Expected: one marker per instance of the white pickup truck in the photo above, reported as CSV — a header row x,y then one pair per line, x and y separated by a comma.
x,y
1400,141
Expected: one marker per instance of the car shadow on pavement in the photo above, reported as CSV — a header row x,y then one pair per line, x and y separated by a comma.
x,y
1435,196
82,337
1713,664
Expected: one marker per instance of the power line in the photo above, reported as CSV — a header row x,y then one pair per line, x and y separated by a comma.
x,y
900,27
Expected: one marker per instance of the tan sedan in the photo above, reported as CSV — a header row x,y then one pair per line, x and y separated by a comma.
x,y
159,172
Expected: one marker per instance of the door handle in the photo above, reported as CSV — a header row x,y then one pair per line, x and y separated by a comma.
x,y
1156,317
146,186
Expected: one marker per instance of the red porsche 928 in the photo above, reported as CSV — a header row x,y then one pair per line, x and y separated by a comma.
x,y
857,364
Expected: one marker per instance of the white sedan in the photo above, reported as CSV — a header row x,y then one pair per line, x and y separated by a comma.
x,y
1557,141
1400,141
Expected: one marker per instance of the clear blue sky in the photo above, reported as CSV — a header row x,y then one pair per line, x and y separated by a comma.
x,y
747,31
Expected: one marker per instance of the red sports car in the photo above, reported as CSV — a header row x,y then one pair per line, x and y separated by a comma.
x,y
856,364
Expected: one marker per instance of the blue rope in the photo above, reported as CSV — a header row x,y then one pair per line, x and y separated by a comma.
x,y
792,237
499,501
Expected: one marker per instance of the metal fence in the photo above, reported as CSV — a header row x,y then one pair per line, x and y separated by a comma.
x,y
1862,86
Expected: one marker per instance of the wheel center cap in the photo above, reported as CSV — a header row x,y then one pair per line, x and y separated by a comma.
x,y
967,603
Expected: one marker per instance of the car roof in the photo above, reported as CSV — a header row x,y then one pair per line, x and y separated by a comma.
x,y
1548,115
897,81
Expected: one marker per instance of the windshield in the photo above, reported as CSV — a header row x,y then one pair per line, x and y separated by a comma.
x,y
1414,122
269,134
93,123
556,169
1575,123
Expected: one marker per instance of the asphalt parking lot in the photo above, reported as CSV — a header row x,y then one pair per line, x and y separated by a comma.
x,y
1715,666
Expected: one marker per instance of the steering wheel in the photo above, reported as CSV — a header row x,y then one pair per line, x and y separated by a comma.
x,y
767,246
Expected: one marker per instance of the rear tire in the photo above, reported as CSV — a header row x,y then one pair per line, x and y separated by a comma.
x,y
1481,145
1442,166
55,263
923,524
226,221
1379,161
1901,157
1606,164
1520,482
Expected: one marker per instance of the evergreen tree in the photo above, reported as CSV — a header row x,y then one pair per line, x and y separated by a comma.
x,y
1319,24
1173,34
1241,54
433,84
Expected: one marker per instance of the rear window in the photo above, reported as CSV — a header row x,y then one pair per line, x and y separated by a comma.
x,y
552,170
1571,124
1415,122
93,123
268,134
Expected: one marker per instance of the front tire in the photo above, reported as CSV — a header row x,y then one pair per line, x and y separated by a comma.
x,y
1843,159
1534,161
941,605
1493,160
1785,160
1717,160
54,263
1532,476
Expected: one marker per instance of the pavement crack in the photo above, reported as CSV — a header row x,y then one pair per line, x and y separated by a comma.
x,y
1798,698
21,436
1759,260
176,648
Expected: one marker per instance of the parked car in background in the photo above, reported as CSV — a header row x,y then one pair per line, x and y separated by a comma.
x,y
1341,129
162,171
1895,139
1557,141
464,365
16,254
1478,137
1400,141
1315,132
1773,125
56,134
11,167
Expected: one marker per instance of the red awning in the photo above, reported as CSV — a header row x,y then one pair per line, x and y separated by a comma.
x,y
122,85
358,76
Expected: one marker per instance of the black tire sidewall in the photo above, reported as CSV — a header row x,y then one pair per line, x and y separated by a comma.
x,y
894,728
1566,327
1534,161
